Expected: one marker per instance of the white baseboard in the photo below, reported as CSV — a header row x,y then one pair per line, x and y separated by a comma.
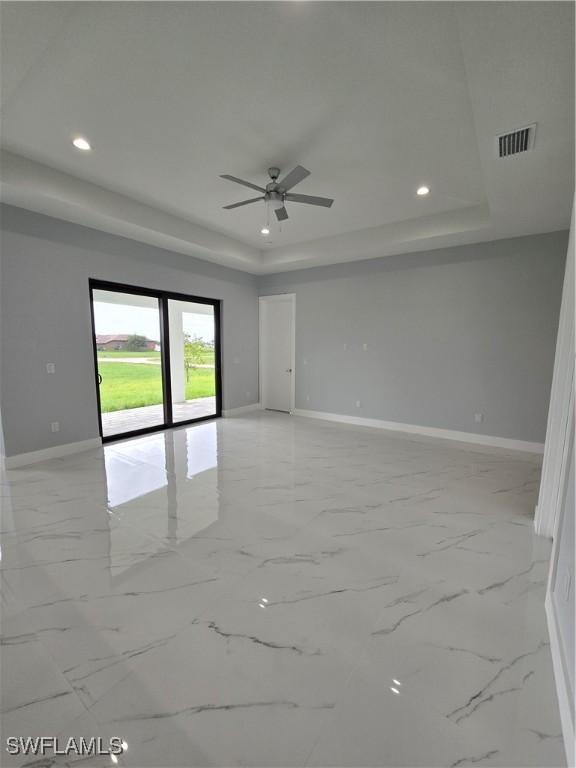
x,y
242,409
446,434
561,678
55,452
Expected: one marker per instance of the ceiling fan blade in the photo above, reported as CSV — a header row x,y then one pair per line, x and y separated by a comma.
x,y
326,202
241,181
281,214
244,202
294,177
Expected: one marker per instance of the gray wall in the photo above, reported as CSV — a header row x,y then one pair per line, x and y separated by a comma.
x,y
45,317
450,333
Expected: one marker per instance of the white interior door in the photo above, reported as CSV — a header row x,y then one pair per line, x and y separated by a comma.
x,y
277,352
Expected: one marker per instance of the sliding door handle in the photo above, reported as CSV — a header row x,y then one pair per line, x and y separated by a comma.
x,y
99,378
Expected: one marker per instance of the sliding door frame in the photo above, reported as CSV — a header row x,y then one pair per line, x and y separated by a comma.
x,y
163,298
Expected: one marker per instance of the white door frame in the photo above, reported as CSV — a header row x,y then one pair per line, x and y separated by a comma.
x,y
561,409
557,645
262,300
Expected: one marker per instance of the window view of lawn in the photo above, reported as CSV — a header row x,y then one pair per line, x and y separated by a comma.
x,y
133,385
204,356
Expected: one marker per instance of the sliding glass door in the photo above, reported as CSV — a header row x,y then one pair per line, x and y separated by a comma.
x,y
192,359
129,361
157,358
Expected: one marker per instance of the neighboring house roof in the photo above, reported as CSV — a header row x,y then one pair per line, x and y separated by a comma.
x,y
107,338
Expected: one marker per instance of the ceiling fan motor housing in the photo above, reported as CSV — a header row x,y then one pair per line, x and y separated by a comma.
x,y
272,187
274,196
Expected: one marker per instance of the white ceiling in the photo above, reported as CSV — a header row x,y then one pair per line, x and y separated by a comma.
x,y
374,99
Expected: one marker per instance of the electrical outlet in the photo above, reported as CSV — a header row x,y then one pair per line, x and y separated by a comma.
x,y
236,360
365,347
357,403
55,426
307,398
478,418
345,346
305,360
50,368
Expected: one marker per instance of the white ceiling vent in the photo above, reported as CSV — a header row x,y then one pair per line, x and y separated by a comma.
x,y
515,142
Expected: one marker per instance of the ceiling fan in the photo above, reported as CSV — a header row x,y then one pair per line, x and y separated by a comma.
x,y
277,193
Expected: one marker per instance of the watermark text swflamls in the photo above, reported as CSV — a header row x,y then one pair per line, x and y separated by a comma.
x,y
52,745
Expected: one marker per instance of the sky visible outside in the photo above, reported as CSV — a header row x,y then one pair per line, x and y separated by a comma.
x,y
144,321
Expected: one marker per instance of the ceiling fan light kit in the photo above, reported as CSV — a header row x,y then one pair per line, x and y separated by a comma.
x,y
277,193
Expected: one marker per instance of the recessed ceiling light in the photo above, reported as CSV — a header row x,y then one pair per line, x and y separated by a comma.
x,y
81,143
421,191
264,231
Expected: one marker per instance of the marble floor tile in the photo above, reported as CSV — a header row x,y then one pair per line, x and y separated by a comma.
x,y
276,591
35,697
388,728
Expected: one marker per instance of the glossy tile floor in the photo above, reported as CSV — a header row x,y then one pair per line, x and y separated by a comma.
x,y
278,591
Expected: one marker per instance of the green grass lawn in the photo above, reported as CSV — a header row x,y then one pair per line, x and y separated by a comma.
x,y
206,357
125,353
132,386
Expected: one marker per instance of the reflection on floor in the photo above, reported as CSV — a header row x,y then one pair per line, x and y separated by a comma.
x,y
118,422
276,591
